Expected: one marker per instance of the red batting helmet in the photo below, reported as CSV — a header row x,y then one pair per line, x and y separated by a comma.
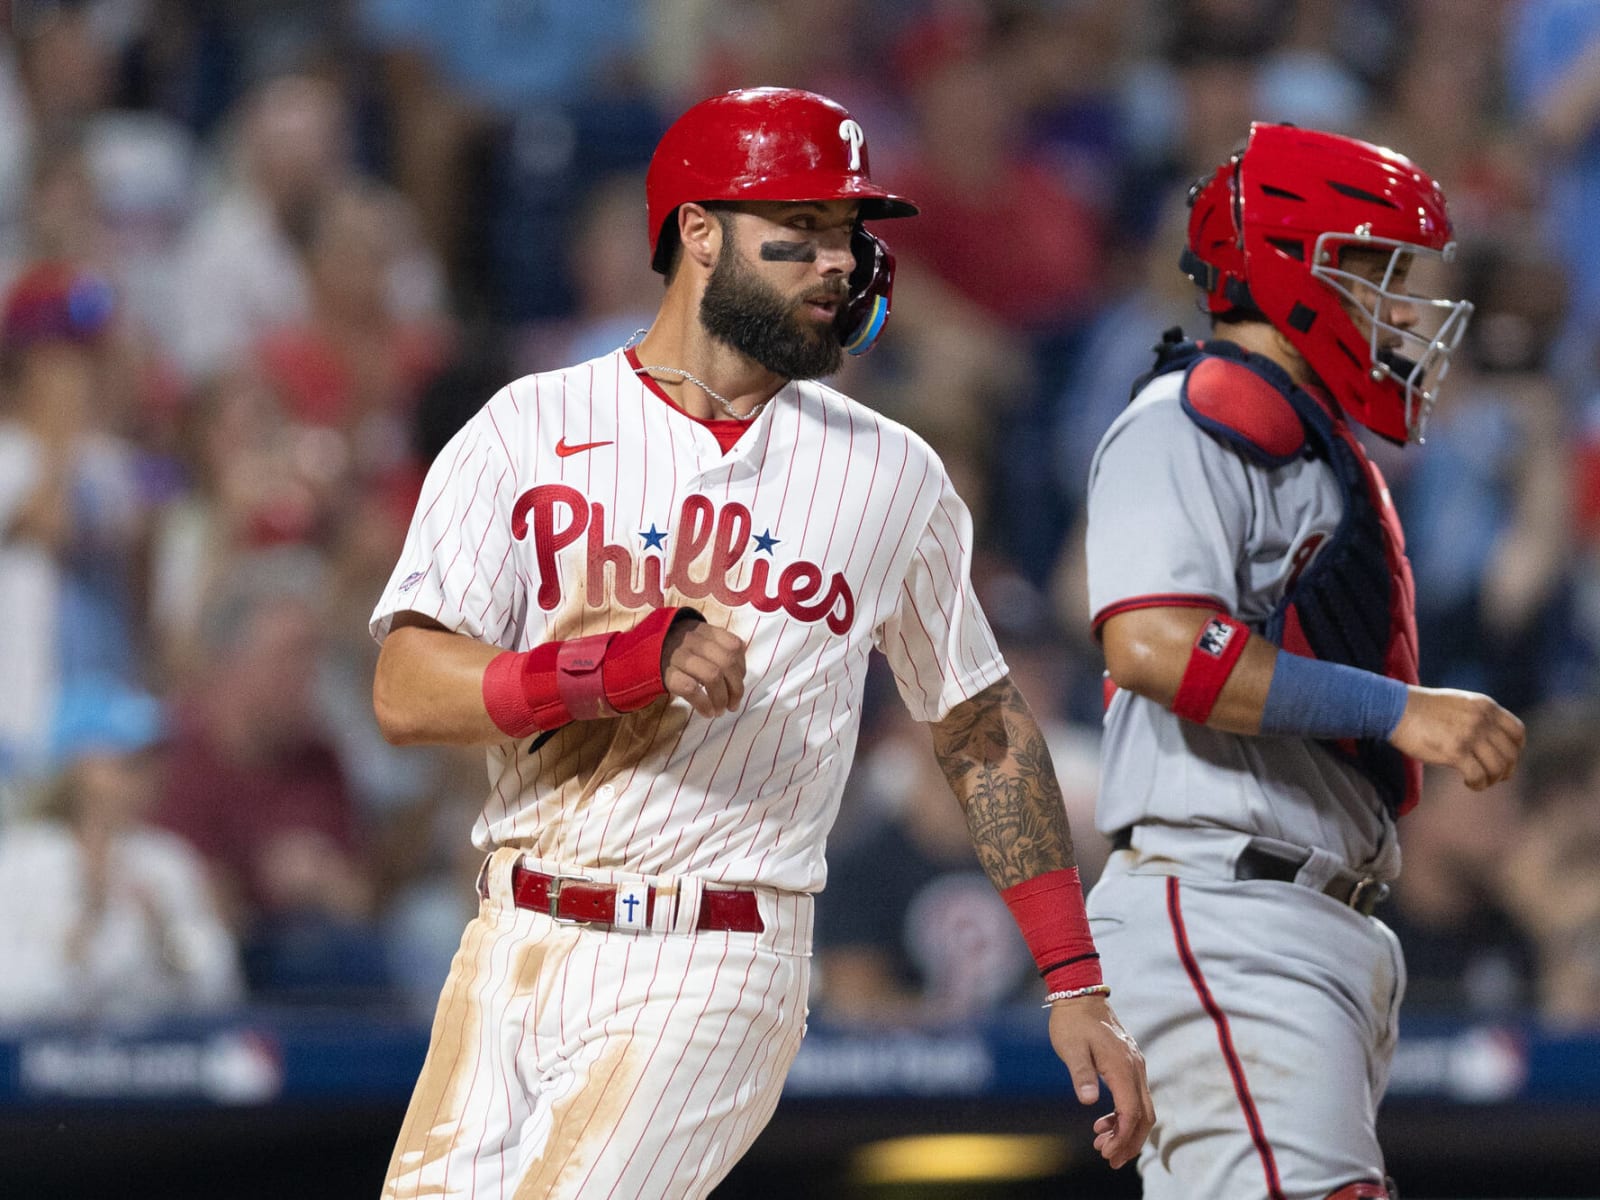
x,y
761,144
1266,232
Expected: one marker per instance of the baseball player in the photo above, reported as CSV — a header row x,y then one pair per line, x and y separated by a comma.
x,y
1249,582
649,585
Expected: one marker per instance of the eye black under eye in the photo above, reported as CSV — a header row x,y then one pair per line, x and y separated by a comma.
x,y
785,251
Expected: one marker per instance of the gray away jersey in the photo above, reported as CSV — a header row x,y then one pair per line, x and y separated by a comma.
x,y
1176,517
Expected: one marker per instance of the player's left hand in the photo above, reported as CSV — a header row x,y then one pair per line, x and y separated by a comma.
x,y
1092,1042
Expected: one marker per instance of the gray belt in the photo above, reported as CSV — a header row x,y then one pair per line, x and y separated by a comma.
x,y
1256,861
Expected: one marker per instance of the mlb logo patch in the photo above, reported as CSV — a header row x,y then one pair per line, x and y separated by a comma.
x,y
1214,638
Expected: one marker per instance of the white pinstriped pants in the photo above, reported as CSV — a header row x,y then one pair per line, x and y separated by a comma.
x,y
573,1061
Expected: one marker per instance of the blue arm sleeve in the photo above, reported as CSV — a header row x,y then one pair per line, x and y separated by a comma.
x,y
1309,698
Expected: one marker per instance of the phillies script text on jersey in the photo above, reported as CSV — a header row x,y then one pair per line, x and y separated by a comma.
x,y
700,527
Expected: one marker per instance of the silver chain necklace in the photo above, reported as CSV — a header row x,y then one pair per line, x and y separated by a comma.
x,y
722,401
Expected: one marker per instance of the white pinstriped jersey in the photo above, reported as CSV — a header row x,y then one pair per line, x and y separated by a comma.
x,y
577,500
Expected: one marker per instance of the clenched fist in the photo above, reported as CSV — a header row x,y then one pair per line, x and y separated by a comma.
x,y
704,665
1466,731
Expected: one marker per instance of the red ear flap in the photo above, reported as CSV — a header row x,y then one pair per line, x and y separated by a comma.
x,y
866,308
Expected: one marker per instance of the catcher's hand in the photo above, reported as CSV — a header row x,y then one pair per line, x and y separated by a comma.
x,y
1092,1042
1468,732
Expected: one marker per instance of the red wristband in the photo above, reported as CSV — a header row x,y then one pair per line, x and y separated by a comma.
x,y
520,692
632,667
585,678
1049,910
1217,648
580,676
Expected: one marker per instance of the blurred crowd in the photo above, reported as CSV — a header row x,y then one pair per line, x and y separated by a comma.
x,y
258,262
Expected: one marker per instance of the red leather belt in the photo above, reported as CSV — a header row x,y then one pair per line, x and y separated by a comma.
x,y
573,898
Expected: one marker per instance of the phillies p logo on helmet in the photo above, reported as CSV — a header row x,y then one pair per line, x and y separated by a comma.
x,y
856,136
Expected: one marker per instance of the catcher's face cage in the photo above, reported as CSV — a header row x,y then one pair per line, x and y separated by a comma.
x,y
1418,364
1264,235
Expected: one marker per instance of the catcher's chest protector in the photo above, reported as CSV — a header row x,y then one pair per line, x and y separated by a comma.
x,y
1355,601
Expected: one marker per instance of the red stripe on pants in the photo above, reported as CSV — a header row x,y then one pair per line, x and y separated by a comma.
x,y
1241,1086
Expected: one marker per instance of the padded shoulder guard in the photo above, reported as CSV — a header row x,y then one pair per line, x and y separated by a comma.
x,y
1242,400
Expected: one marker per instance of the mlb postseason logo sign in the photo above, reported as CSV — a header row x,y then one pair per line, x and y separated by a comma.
x,y
1214,638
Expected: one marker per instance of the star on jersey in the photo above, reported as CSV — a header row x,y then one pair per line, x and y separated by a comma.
x,y
654,538
765,541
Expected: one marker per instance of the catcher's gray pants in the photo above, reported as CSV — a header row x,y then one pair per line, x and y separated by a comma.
x,y
1267,1014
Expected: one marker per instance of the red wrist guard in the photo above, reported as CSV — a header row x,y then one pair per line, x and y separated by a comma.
x,y
581,679
1217,648
1049,910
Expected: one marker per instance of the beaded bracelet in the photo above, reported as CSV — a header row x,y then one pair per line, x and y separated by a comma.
x,y
1094,989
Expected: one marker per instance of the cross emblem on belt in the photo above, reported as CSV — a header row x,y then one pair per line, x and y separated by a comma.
x,y
632,906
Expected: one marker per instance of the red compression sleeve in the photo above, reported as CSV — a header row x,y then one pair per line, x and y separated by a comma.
x,y
1217,648
1049,910
585,678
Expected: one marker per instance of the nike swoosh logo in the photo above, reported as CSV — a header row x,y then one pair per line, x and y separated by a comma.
x,y
565,451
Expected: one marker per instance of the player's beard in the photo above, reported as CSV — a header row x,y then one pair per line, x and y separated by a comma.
x,y
740,309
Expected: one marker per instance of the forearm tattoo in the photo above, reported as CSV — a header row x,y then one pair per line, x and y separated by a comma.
x,y
999,768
